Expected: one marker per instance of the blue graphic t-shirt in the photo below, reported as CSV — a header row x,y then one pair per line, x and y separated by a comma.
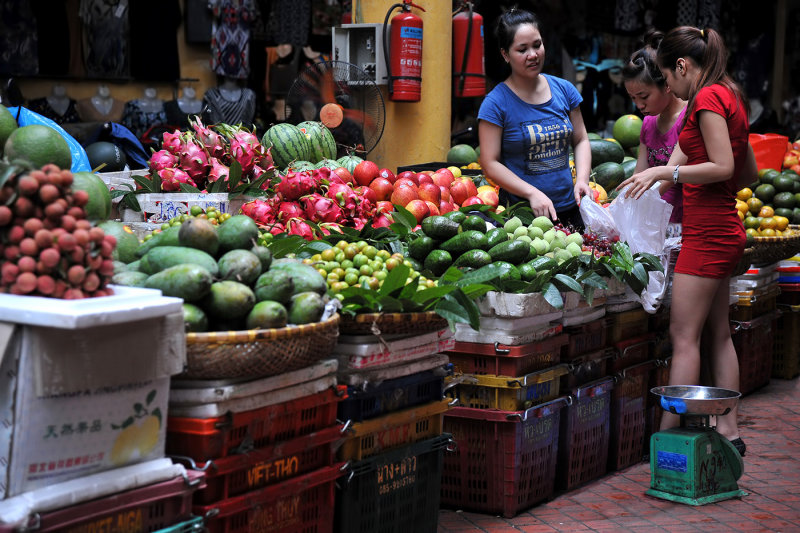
x,y
536,138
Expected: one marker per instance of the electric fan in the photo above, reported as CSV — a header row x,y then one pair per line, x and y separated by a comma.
x,y
343,97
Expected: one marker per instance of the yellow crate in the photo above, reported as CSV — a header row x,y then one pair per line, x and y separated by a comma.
x,y
507,393
394,430
626,324
755,303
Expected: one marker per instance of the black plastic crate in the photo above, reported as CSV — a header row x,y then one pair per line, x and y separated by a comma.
x,y
392,395
394,492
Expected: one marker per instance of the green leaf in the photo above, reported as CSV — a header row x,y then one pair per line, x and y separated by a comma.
x,y
469,306
128,422
649,260
217,186
131,201
185,187
235,175
404,217
484,274
641,274
409,290
433,293
454,312
395,280
286,245
552,296
315,246
400,229
569,283
146,184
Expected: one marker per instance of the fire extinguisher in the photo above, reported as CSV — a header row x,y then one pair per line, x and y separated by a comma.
x,y
404,57
469,71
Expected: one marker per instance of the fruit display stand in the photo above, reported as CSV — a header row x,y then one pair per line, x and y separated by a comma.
x,y
83,389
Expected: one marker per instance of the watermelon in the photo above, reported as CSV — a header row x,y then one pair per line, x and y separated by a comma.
x,y
461,154
604,151
288,143
99,206
329,163
608,175
349,162
626,130
629,166
299,166
323,146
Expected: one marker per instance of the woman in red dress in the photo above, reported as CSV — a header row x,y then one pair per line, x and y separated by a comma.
x,y
712,161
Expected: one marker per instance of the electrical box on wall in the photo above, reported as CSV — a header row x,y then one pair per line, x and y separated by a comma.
x,y
362,45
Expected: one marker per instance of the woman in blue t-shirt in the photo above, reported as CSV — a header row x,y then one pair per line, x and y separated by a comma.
x,y
527,124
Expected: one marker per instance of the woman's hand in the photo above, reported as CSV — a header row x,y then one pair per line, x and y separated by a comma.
x,y
541,204
642,181
582,189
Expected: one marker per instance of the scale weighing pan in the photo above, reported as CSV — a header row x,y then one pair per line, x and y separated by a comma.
x,y
696,400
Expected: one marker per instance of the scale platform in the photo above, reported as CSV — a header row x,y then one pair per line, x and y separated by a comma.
x,y
693,464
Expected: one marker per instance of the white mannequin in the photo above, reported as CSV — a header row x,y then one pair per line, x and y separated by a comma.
x,y
58,99
230,89
151,103
102,101
188,102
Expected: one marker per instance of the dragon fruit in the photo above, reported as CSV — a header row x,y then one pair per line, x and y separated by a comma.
x,y
171,179
161,160
289,210
276,228
296,185
326,228
297,226
344,196
210,139
320,208
218,171
172,142
381,221
260,211
194,160
359,222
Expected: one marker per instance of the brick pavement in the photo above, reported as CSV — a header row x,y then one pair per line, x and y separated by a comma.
x,y
770,426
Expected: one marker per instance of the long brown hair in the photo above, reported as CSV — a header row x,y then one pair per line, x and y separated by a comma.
x,y
707,49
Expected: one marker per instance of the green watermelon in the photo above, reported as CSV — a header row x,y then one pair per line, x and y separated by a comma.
x,y
461,154
288,143
608,175
323,146
329,163
99,206
350,162
299,166
604,151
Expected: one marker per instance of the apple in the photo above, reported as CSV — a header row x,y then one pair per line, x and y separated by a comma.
x,y
365,172
472,200
445,193
381,221
790,160
403,194
343,173
388,174
384,206
445,206
383,188
472,190
443,178
455,170
424,178
418,208
489,197
429,192
459,192
433,210
406,174
405,182
366,193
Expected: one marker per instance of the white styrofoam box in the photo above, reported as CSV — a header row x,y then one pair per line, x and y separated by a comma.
x,y
573,300
387,353
534,333
79,401
583,315
618,307
748,282
161,207
510,305
125,305
361,378
17,509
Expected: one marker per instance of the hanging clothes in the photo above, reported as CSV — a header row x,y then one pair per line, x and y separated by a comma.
x,y
154,41
176,116
136,119
218,109
105,37
293,21
43,107
18,39
230,37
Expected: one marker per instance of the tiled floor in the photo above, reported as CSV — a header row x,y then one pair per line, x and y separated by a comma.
x,y
769,421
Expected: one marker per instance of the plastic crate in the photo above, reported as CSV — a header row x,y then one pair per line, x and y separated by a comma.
x,y
193,525
753,342
236,474
504,461
149,508
393,430
662,346
367,402
586,368
212,438
755,303
659,321
508,393
584,338
584,435
629,415
631,351
626,324
304,503
786,346
789,293
659,377
394,492
505,360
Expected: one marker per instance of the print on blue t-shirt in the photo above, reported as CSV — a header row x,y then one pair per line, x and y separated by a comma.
x,y
536,137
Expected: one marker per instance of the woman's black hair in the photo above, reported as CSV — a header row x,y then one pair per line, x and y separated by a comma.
x,y
642,65
508,22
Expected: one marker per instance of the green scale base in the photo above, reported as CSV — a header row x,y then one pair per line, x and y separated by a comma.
x,y
694,466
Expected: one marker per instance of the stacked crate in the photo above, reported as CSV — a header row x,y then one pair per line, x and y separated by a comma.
x,y
786,347
393,441
659,377
266,446
506,421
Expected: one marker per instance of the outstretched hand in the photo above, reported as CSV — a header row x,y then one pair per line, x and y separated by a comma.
x,y
641,181
581,190
542,205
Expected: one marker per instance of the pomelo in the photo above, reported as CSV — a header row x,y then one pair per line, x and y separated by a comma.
x,y
99,206
627,129
7,125
127,242
107,153
39,145
461,154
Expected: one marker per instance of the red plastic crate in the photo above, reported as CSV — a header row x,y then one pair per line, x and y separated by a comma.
x,y
301,504
628,415
212,438
632,351
139,510
586,368
584,338
506,360
236,474
504,461
789,293
584,435
753,342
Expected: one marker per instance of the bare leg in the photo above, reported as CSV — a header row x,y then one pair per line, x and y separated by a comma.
x,y
692,299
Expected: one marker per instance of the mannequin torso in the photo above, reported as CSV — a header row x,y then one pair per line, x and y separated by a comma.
x,y
150,103
58,99
102,101
188,103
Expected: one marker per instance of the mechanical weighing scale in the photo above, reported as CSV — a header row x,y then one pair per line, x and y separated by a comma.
x,y
692,463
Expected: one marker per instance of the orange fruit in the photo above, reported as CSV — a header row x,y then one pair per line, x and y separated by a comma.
x,y
741,215
767,232
744,194
755,205
768,222
751,222
766,211
741,206
781,223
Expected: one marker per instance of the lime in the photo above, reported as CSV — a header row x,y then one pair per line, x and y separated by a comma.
x,y
764,192
783,183
783,199
7,125
767,175
38,145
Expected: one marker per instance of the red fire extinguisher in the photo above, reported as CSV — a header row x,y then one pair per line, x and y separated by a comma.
x,y
404,56
469,71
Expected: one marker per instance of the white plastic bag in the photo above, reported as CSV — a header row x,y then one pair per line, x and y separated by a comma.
x,y
642,222
597,218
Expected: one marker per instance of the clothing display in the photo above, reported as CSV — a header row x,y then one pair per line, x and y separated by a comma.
x,y
18,38
105,37
230,37
181,110
536,138
659,148
139,115
43,107
101,107
713,235
154,37
219,107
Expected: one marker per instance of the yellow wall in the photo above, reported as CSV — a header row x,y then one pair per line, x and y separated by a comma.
x,y
194,63
417,132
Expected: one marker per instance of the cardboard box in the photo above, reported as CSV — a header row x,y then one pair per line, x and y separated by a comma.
x,y
89,394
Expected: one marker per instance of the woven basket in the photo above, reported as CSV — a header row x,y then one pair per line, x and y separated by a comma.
x,y
391,323
744,263
769,250
258,353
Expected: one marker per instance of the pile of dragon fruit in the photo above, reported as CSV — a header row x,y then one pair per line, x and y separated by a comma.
x,y
204,156
315,203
